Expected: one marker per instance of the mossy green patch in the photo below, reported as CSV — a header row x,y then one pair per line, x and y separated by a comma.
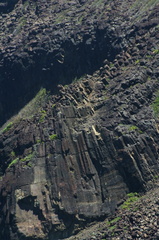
x,y
156,177
115,220
156,51
27,158
53,137
111,65
132,198
133,127
39,141
42,116
53,105
137,61
15,161
7,128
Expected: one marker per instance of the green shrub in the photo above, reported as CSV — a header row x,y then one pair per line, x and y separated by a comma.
x,y
155,177
16,160
27,158
53,137
42,116
137,61
29,164
13,162
111,228
156,51
132,128
53,105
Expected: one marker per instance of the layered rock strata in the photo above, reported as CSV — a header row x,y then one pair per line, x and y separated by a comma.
x,y
71,155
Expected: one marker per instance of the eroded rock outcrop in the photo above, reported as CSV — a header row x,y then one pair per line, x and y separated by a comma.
x,y
71,158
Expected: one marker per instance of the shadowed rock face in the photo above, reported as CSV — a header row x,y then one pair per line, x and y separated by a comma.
x,y
44,43
71,155
6,5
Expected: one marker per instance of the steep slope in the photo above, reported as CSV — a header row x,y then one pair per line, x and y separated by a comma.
x,y
136,218
90,135
46,42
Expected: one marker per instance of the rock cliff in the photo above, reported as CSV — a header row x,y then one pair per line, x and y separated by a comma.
x,y
79,107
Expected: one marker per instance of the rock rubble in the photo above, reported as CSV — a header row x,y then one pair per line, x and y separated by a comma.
x,y
138,221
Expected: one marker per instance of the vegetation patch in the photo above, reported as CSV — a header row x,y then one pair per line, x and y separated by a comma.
x,y
42,116
39,141
53,105
134,128
80,18
124,129
27,158
131,128
156,51
149,56
33,106
53,137
111,65
8,127
137,61
115,220
156,177
111,225
15,161
132,198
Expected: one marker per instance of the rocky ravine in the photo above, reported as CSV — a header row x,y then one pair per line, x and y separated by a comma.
x,y
71,155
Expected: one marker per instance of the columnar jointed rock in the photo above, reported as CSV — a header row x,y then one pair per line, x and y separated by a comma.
x,y
90,142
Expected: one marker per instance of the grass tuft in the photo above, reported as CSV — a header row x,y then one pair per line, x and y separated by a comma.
x,y
53,137
13,162
132,197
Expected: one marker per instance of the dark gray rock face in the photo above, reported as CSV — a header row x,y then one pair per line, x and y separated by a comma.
x,y
70,157
44,43
7,6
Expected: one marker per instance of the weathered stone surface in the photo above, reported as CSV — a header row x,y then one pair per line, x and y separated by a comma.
x,y
69,158
138,221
